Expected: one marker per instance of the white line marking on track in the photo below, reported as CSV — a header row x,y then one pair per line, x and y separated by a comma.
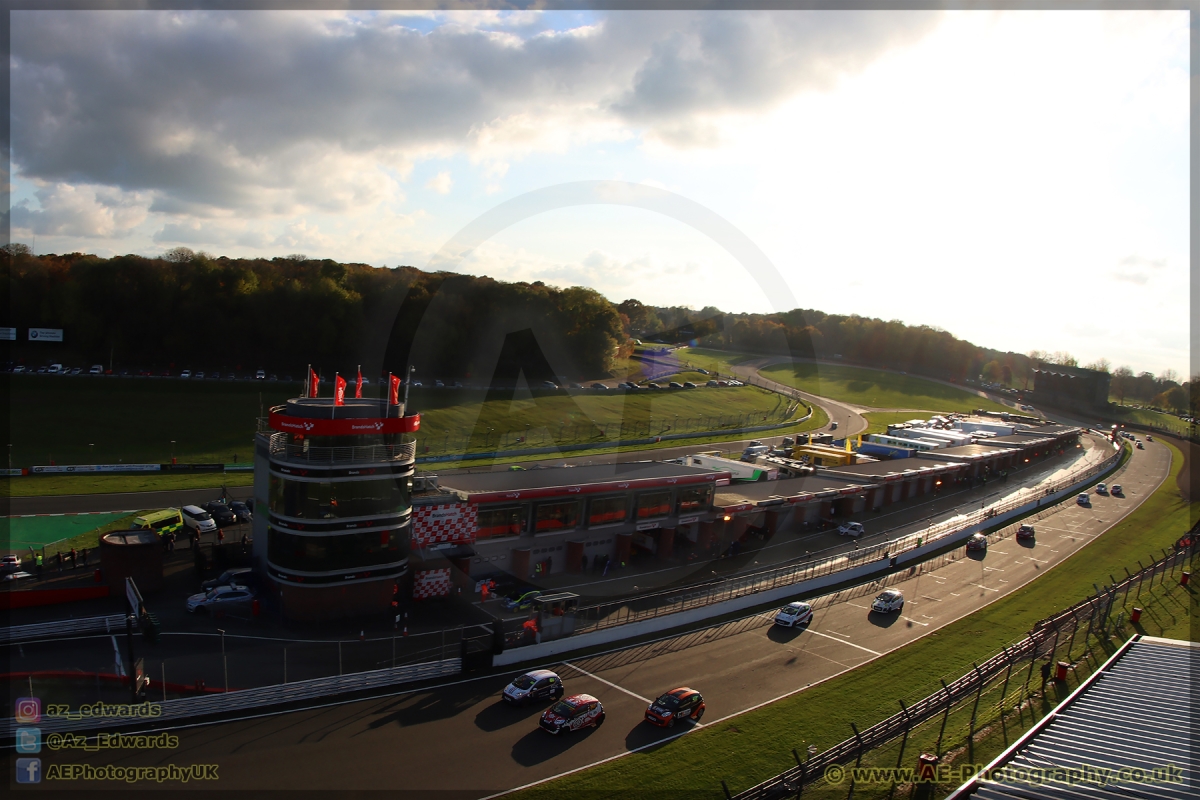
x,y
607,683
915,622
981,586
843,641
856,605
992,569
955,594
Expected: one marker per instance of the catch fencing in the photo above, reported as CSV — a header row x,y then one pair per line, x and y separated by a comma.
x,y
58,629
1051,640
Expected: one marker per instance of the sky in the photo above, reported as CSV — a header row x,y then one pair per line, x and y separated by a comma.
x,y
1018,178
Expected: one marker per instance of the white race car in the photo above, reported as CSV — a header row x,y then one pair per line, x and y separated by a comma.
x,y
794,614
852,529
888,601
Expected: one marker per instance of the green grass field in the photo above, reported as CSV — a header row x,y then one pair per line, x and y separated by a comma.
x,y
1154,419
46,485
756,745
21,533
123,420
877,389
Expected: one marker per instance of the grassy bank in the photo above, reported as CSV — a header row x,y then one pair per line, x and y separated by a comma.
x,y
758,744
877,389
48,485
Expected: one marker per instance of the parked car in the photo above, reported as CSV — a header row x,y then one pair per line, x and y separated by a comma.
x,y
854,529
232,376
521,602
1026,532
689,385
97,369
703,371
241,511
76,370
674,385
199,376
677,704
198,519
221,513
226,578
653,385
888,601
572,714
537,685
599,386
1117,491
221,597
216,376
977,542
186,374
1101,488
10,563
794,614
712,383
260,375
440,385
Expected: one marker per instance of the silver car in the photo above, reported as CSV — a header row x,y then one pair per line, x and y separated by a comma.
x,y
888,601
221,597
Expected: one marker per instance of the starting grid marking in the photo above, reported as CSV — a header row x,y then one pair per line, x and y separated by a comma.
x,y
606,682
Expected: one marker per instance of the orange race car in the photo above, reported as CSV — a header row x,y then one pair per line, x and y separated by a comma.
x,y
675,705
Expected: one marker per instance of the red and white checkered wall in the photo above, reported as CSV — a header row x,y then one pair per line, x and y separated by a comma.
x,y
431,583
450,522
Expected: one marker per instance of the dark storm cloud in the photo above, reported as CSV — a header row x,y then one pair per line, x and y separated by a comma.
x,y
260,111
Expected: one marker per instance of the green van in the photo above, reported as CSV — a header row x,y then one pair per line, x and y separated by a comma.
x,y
161,522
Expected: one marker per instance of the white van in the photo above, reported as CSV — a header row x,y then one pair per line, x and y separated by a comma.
x,y
55,369
198,519
97,369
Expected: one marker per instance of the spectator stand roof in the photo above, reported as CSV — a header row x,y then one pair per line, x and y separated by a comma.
x,y
1137,712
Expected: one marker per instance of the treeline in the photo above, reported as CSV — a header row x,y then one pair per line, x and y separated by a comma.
x,y
200,312
193,310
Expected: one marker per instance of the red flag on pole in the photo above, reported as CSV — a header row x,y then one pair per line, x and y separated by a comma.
x,y
313,382
339,390
394,390
358,385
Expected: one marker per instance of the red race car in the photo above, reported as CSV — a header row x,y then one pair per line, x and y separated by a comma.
x,y
677,704
572,713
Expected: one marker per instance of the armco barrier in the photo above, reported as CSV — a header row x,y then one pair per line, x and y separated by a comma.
x,y
63,627
215,705
28,598
755,590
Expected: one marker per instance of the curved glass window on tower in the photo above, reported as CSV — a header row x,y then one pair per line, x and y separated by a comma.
x,y
345,551
339,499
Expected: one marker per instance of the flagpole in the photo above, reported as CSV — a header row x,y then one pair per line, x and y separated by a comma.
x,y
307,379
333,408
387,410
407,382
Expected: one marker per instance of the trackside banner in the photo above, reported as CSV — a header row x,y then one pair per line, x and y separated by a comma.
x,y
344,427
97,468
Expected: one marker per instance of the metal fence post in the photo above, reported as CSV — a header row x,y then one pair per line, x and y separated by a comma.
x,y
974,710
903,742
949,702
1007,672
857,758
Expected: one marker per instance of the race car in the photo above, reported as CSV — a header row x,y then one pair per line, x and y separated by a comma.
x,y
1026,532
677,704
1117,491
572,713
977,542
522,602
888,601
1101,488
794,614
536,685
851,529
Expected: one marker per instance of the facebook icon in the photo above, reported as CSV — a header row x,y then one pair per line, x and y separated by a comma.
x,y
29,770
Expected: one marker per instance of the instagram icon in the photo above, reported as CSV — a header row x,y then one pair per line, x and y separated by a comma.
x,y
29,710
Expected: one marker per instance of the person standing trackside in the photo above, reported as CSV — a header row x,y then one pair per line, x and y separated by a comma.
x,y
38,562
74,563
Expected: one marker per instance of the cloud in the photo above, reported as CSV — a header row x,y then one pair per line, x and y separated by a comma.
x,y
285,112
1137,269
440,183
84,211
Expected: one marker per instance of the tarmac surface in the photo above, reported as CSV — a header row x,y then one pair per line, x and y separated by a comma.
x,y
459,738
